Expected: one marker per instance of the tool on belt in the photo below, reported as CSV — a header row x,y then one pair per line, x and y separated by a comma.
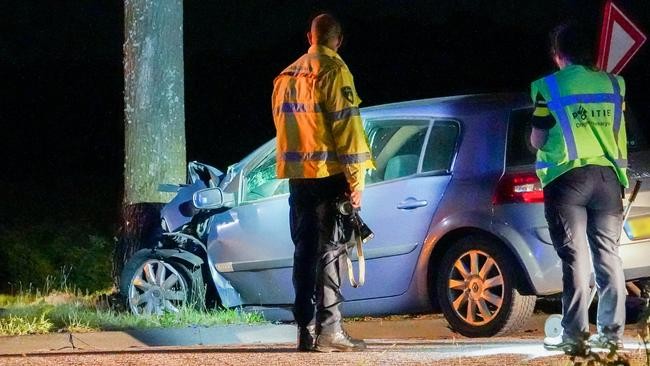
x,y
354,233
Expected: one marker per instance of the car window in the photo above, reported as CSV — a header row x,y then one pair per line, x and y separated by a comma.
x,y
260,181
519,150
636,140
439,153
398,146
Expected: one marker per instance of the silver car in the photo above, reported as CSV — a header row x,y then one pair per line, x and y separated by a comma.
x,y
454,203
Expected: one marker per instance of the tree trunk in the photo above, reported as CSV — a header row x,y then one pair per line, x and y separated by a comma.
x,y
155,118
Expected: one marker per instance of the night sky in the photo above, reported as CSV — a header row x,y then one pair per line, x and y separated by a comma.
x,y
61,105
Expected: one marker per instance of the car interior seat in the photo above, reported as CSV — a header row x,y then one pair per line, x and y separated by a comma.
x,y
401,166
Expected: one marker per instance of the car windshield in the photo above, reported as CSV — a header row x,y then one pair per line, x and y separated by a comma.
x,y
520,152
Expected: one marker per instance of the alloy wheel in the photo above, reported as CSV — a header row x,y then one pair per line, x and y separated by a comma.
x,y
156,287
476,290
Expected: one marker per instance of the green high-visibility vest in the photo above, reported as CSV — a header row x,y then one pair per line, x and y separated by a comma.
x,y
590,127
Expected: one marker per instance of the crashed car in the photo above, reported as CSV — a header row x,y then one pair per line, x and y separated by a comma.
x,y
454,203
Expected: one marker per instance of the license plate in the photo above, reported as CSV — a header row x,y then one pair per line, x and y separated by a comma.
x,y
638,227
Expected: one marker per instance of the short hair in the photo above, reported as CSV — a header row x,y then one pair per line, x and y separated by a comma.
x,y
573,42
325,27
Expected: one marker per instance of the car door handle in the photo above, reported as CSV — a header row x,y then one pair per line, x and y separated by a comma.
x,y
411,203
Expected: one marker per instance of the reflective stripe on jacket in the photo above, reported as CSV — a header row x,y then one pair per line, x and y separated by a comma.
x,y
317,121
590,130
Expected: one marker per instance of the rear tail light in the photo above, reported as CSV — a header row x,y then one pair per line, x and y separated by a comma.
x,y
518,188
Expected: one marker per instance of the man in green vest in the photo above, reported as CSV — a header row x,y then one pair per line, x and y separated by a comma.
x,y
578,128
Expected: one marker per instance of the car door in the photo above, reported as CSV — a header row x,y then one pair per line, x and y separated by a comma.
x,y
414,158
253,243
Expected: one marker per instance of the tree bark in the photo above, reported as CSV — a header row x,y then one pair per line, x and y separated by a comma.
x,y
154,118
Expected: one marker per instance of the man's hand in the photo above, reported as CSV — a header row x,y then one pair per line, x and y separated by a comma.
x,y
355,199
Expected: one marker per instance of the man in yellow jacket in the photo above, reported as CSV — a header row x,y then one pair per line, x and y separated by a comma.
x,y
323,150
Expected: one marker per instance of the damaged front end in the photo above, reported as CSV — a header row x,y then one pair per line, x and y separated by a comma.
x,y
186,221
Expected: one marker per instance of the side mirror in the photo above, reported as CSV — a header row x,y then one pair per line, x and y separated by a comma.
x,y
211,198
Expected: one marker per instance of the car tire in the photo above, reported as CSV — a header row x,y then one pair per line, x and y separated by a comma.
x,y
152,285
481,300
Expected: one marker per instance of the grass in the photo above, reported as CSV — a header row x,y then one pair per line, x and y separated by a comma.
x,y
46,254
68,311
59,306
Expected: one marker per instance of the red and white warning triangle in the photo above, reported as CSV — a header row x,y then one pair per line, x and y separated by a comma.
x,y
620,39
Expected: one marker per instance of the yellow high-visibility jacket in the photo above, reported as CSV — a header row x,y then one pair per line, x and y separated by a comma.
x,y
316,115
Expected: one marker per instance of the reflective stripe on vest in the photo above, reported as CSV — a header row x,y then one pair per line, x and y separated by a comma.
x,y
621,163
294,157
343,114
346,113
354,158
300,108
558,104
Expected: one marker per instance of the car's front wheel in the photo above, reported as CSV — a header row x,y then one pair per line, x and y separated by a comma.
x,y
476,288
152,285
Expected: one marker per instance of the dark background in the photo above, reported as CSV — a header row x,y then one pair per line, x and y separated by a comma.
x,y
61,101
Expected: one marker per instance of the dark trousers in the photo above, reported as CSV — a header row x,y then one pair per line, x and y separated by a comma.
x,y
316,260
584,212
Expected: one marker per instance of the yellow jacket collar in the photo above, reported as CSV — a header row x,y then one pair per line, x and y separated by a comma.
x,y
317,48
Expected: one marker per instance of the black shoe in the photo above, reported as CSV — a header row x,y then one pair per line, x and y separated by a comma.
x,y
338,342
306,337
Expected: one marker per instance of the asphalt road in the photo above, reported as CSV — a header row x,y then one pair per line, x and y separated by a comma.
x,y
392,341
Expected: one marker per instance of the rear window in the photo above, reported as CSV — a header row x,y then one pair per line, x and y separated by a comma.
x,y
521,152
636,140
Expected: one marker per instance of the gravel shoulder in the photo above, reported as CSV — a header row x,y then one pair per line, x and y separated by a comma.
x,y
414,340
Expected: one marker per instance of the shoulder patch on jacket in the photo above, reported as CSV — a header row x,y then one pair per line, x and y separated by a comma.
x,y
348,93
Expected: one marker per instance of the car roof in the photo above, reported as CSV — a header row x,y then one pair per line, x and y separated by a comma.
x,y
454,106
